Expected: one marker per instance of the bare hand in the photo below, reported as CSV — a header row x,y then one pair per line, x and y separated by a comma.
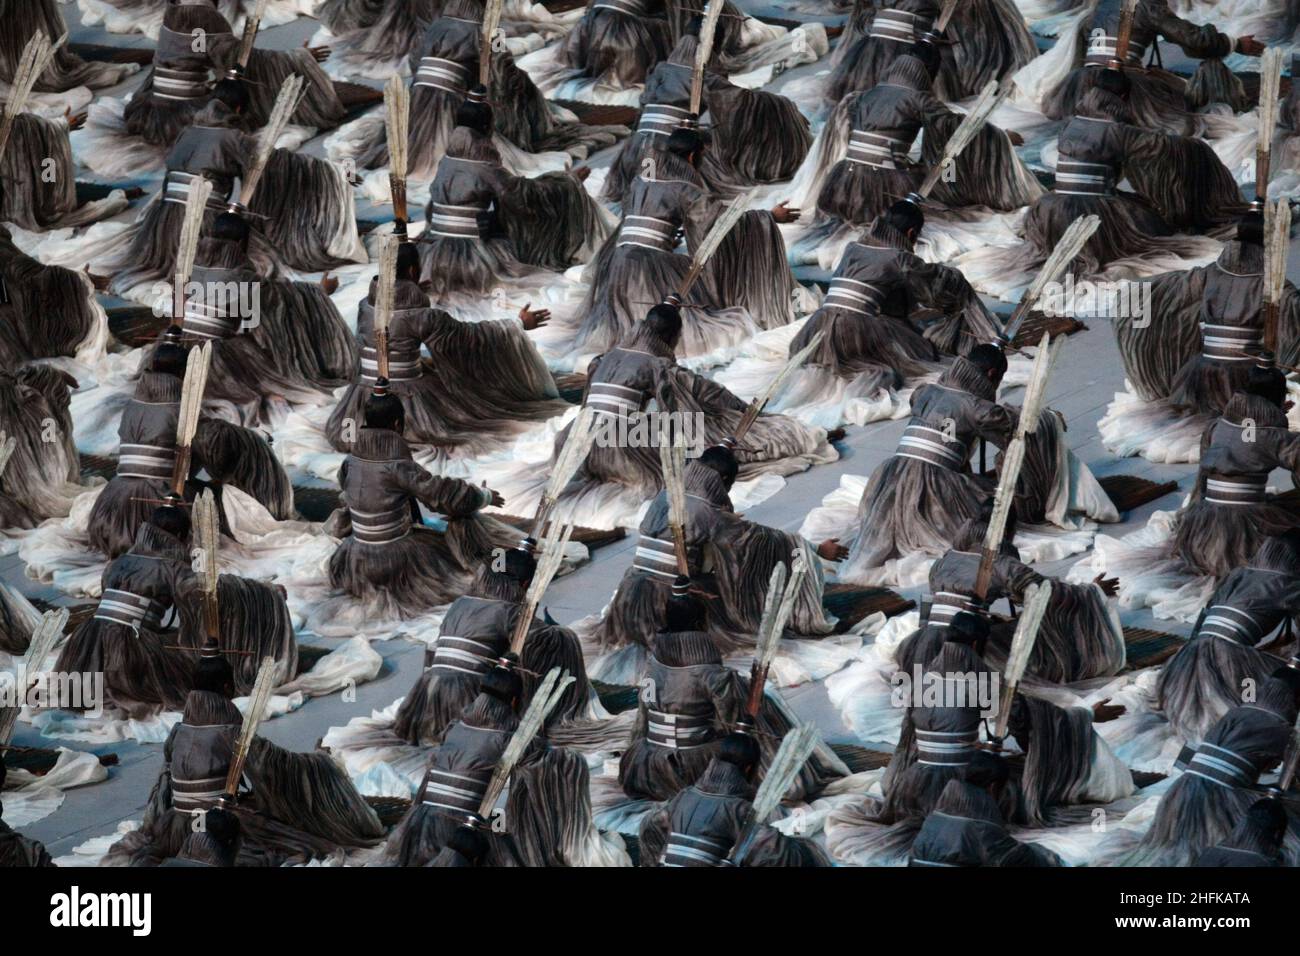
x,y
1109,586
534,320
1104,710
329,283
497,501
75,121
319,53
1249,46
1016,138
832,550
783,213
582,172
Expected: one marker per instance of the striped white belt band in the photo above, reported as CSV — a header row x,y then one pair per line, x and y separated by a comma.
x,y
1231,624
382,528
879,150
145,461
854,296
455,222
661,119
931,445
896,25
648,232
403,365
462,654
1229,343
686,850
1236,491
1101,50
457,792
446,75
177,190
181,85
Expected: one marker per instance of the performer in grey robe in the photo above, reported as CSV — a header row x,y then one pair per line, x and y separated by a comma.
x,y
484,226
275,340
863,165
966,826
148,625
292,808
918,500
444,65
147,455
639,264
641,369
729,557
475,636
702,824
388,557
1219,782
1231,511
176,87
689,703
1066,762
1158,96
15,849
753,136
547,814
1179,185
1256,840
482,385
303,208
1208,675
989,41
871,338
1079,637
1196,344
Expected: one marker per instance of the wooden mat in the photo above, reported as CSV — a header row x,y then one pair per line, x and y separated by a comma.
x,y
616,698
135,325
571,387
598,114
851,603
1130,491
1037,323
860,759
112,54
357,98
591,537
1146,648
390,810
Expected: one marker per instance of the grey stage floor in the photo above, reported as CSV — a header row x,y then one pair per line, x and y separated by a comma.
x,y
1084,382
